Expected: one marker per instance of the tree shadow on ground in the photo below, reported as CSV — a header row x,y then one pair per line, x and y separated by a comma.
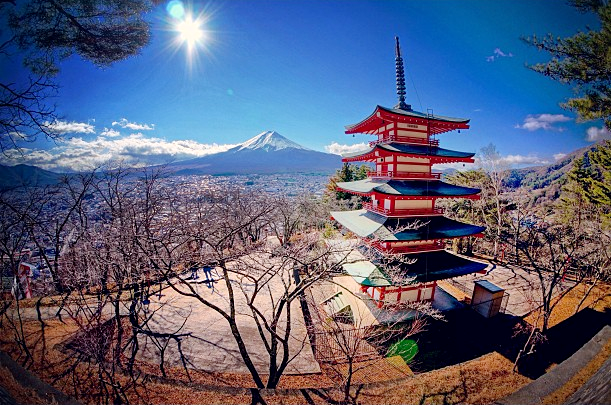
x,y
563,340
466,335
462,336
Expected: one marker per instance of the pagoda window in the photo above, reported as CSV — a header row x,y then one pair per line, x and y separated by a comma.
x,y
411,126
387,204
415,134
391,297
426,294
419,161
409,296
413,168
413,204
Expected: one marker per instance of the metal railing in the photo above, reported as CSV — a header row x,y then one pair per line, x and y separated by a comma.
x,y
415,212
406,139
429,247
404,175
339,345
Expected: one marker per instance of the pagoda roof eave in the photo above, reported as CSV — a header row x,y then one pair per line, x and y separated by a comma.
x,y
439,124
428,267
407,188
371,225
409,150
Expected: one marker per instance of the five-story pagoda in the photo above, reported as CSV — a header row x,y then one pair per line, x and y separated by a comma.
x,y
400,216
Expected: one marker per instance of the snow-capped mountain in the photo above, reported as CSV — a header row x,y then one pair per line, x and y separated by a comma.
x,y
268,152
269,141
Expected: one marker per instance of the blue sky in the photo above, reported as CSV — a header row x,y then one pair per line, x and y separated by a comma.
x,y
308,68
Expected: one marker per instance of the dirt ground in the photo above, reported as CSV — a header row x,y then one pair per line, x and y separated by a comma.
x,y
472,372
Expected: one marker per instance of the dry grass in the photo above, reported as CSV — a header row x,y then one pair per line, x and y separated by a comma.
x,y
369,371
599,300
561,394
479,381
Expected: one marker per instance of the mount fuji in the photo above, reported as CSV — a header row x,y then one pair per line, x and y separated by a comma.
x,y
268,152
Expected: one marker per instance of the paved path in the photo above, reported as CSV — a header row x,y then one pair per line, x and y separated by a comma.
x,y
521,285
211,345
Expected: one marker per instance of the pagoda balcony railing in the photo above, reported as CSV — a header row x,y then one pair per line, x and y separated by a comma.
x,y
435,245
411,212
403,175
406,139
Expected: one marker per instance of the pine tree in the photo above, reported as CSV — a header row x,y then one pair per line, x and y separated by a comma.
x,y
584,61
589,186
347,173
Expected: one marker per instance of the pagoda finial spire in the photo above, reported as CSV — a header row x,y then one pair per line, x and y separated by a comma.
x,y
400,78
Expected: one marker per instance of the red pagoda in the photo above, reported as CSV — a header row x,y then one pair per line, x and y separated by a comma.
x,y
400,215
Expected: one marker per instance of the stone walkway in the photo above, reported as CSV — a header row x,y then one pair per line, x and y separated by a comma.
x,y
210,345
521,285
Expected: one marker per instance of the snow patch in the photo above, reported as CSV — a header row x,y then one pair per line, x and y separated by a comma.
x,y
270,140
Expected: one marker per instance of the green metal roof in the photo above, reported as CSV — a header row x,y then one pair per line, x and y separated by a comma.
x,y
429,266
368,224
337,304
415,188
423,150
367,273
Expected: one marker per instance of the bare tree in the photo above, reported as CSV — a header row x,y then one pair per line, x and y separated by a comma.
x,y
496,169
348,342
256,274
40,35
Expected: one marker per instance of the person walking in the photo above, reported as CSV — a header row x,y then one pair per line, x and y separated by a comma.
x,y
208,273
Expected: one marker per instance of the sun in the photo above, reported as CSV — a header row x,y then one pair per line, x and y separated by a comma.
x,y
190,31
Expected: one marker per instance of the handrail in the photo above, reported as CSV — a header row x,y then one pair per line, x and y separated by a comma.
x,y
404,175
406,139
429,247
403,212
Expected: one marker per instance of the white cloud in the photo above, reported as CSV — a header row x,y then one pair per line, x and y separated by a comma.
x,y
596,134
338,149
109,132
63,127
520,160
78,154
559,156
497,53
543,121
512,161
456,166
124,123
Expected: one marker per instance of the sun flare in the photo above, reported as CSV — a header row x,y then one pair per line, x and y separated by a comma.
x,y
190,31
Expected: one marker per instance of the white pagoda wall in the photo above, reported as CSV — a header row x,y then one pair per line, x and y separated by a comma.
x,y
413,204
